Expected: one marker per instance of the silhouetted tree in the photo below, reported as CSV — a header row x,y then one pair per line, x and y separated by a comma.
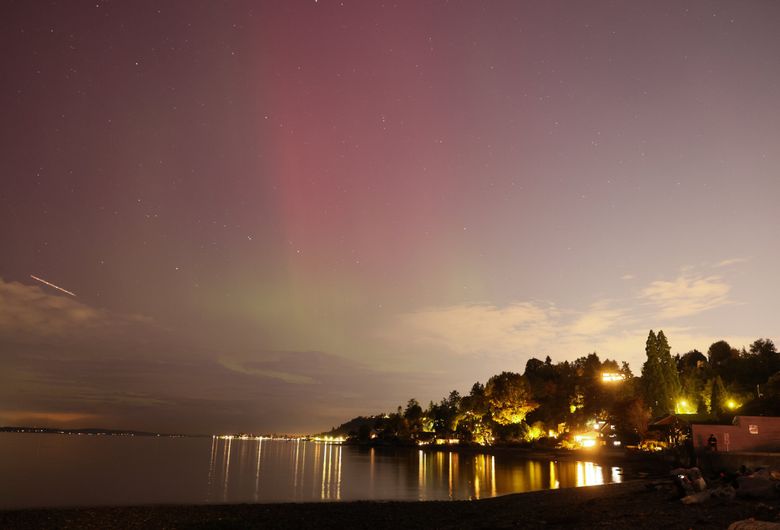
x,y
767,360
445,414
661,383
694,372
631,417
413,415
719,355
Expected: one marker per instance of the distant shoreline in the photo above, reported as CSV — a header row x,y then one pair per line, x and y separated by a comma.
x,y
93,432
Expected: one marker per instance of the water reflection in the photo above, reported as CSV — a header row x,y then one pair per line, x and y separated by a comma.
x,y
263,470
306,471
49,470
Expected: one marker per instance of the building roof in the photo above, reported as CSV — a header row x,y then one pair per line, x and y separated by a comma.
x,y
688,419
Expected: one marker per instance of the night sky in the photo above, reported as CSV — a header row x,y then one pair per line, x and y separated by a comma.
x,y
278,215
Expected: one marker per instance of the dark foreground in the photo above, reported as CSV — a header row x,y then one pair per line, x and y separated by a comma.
x,y
629,505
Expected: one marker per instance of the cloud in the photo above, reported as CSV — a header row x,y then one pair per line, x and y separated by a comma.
x,y
731,261
62,359
480,328
28,310
597,320
615,327
28,314
687,295
34,418
506,337
517,329
251,368
178,394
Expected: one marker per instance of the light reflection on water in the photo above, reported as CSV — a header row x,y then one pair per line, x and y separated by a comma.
x,y
306,471
54,470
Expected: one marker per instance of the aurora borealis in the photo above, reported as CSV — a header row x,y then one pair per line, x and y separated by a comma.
x,y
277,215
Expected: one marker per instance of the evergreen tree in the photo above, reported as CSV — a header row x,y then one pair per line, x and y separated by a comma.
x,y
671,377
651,373
659,375
717,396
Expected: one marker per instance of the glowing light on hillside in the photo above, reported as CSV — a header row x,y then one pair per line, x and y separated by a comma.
x,y
585,441
535,432
612,377
683,406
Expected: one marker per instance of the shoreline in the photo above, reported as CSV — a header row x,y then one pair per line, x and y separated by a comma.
x,y
634,465
637,503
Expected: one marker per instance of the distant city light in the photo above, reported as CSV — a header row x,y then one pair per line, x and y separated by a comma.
x,y
319,439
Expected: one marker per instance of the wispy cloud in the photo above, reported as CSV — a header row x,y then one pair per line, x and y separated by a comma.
x,y
27,310
27,313
480,328
597,320
614,327
687,295
731,261
516,329
256,369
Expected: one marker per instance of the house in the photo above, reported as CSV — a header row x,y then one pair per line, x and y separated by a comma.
x,y
672,429
745,434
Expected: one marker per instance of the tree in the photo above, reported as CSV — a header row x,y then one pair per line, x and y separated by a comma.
x,y
509,398
413,415
652,375
669,367
533,365
719,354
772,386
474,423
445,414
694,371
364,433
631,417
717,396
768,361
692,360
659,375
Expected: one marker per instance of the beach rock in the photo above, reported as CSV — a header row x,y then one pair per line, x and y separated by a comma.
x,y
757,486
697,498
724,494
689,480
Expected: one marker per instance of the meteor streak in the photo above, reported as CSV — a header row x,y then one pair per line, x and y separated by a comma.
x,y
51,285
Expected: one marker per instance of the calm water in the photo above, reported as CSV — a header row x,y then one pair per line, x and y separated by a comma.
x,y
61,470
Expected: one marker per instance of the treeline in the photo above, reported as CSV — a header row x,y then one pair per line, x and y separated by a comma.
x,y
552,400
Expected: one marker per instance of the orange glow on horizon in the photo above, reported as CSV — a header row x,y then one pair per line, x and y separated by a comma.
x,y
18,417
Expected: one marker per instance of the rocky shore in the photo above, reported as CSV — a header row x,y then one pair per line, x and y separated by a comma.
x,y
637,504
